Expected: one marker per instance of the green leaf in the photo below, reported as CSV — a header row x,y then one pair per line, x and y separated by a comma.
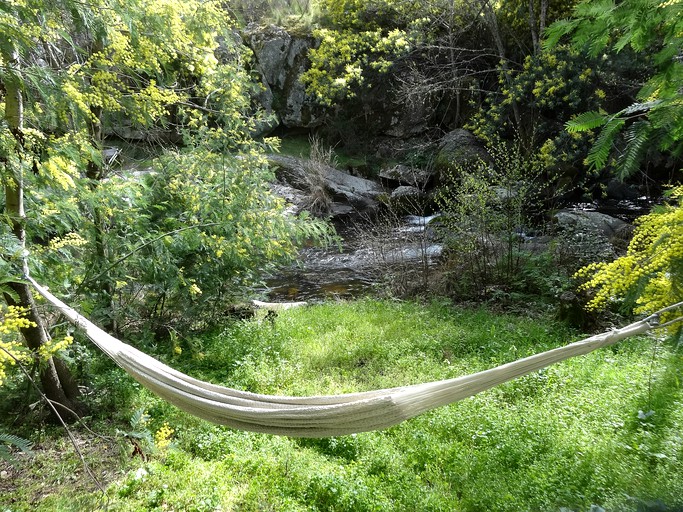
x,y
586,121
8,440
637,137
556,31
599,153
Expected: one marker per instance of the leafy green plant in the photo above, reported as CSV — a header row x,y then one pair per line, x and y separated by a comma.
x,y
648,274
648,277
8,441
646,27
550,87
486,208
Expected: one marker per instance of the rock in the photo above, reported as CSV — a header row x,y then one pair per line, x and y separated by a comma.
x,y
405,175
410,118
409,200
458,148
341,210
295,197
590,222
405,191
620,191
281,58
592,236
359,193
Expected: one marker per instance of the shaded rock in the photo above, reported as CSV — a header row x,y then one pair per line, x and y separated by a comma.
x,y
296,198
405,175
458,148
620,191
590,222
410,118
591,236
281,58
409,200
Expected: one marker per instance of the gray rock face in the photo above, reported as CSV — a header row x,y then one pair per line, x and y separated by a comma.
x,y
458,148
593,235
409,200
410,118
281,58
590,222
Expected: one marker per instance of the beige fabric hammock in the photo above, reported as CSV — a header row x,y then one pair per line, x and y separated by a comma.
x,y
320,416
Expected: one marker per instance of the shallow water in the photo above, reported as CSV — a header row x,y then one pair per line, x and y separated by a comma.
x,y
353,270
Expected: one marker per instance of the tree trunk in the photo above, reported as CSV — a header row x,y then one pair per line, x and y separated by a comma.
x,y
532,26
58,384
492,24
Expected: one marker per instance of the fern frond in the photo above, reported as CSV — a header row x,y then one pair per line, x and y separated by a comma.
x,y
140,417
586,121
11,440
599,153
557,31
639,108
637,137
594,9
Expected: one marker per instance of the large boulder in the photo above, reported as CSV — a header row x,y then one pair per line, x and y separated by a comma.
x,y
281,58
407,200
458,148
593,235
590,222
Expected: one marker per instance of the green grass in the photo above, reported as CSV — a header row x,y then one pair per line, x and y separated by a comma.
x,y
300,146
568,436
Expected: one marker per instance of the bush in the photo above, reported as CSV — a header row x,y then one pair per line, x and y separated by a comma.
x,y
487,209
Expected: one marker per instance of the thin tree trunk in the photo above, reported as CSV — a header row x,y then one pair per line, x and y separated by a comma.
x,y
532,27
58,384
542,18
492,24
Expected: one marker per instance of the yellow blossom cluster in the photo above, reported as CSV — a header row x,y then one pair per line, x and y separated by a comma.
x,y
47,350
68,240
162,437
13,319
651,272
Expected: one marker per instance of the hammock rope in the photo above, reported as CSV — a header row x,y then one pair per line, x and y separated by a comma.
x,y
328,415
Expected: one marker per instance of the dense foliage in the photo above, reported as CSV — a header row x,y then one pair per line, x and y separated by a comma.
x,y
145,252
649,274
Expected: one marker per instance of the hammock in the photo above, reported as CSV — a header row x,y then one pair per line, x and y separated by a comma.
x,y
321,416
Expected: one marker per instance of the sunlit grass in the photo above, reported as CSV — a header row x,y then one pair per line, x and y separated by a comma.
x,y
602,429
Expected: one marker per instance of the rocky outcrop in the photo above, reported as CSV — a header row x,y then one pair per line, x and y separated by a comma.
x,y
590,222
407,200
593,232
281,58
458,148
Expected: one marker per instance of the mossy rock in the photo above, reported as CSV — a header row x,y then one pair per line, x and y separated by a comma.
x,y
458,149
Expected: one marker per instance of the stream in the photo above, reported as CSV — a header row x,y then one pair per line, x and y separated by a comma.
x,y
355,268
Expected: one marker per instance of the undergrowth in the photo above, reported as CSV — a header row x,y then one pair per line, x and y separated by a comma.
x,y
602,429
